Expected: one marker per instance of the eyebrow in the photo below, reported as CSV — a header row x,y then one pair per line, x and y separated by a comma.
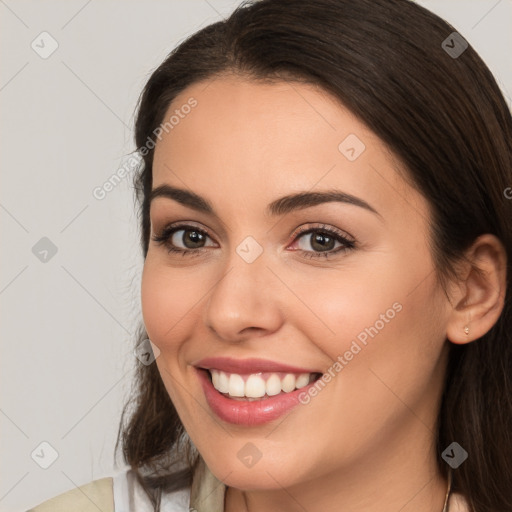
x,y
281,206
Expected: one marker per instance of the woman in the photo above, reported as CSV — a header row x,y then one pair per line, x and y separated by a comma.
x,y
326,230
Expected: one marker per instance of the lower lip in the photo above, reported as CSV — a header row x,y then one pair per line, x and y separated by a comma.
x,y
242,412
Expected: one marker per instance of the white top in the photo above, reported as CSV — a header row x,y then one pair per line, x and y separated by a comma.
x,y
129,496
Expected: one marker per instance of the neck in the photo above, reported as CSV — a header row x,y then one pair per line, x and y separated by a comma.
x,y
429,497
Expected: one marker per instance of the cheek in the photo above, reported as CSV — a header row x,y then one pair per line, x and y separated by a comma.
x,y
169,304
392,346
389,349
168,301
342,308
376,317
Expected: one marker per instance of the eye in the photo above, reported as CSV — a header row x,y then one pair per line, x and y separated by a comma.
x,y
183,238
313,242
320,242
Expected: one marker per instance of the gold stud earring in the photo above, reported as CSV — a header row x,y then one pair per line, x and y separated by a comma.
x,y
466,329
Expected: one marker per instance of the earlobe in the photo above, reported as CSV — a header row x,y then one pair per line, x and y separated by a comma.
x,y
482,301
459,333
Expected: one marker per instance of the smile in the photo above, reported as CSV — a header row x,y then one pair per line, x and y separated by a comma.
x,y
252,392
258,385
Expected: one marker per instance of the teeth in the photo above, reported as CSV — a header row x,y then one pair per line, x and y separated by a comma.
x,y
236,385
274,385
215,378
302,380
288,383
223,383
220,381
254,386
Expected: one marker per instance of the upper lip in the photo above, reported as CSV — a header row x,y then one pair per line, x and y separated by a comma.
x,y
252,365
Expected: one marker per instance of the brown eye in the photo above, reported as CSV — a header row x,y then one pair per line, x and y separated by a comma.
x,y
322,242
184,239
190,238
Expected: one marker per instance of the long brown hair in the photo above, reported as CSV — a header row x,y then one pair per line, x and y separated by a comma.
x,y
443,116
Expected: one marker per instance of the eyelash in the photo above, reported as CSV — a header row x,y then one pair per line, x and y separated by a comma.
x,y
164,239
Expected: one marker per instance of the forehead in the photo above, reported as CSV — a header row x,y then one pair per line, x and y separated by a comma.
x,y
260,140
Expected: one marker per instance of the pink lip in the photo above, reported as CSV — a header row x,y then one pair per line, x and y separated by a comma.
x,y
245,366
250,413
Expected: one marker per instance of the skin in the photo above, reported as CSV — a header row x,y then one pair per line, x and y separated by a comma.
x,y
365,442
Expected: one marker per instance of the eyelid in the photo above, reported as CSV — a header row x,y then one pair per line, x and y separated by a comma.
x,y
167,227
320,226
159,218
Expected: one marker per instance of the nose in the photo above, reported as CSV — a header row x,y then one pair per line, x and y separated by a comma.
x,y
244,302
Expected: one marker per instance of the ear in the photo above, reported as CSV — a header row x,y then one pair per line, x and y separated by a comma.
x,y
479,297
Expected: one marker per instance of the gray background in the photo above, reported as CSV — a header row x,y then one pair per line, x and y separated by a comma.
x,y
67,322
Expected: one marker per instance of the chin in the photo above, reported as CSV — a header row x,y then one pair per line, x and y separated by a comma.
x,y
252,479
263,474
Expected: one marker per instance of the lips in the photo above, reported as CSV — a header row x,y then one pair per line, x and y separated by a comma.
x,y
248,366
252,391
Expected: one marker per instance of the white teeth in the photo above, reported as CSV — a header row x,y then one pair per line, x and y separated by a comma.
x,y
220,381
288,383
236,385
215,378
255,386
273,385
223,383
302,380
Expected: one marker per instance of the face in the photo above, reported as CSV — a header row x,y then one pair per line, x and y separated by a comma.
x,y
327,305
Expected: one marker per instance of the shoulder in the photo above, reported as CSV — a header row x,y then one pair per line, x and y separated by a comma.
x,y
118,493
458,503
85,498
129,496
